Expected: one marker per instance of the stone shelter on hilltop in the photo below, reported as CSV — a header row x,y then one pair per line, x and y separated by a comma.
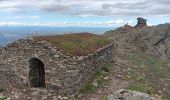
x,y
42,62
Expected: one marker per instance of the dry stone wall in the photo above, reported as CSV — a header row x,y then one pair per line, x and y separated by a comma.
x,y
15,58
64,74
84,70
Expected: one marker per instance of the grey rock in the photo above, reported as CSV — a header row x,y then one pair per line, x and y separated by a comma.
x,y
93,98
60,97
35,98
65,98
35,93
55,98
123,94
95,83
9,99
141,22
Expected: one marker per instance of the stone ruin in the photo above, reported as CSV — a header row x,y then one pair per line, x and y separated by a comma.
x,y
141,22
31,63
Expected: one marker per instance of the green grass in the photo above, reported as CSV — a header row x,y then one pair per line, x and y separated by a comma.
x,y
78,44
164,98
88,88
105,98
147,72
1,88
142,87
99,77
3,98
153,64
137,87
100,74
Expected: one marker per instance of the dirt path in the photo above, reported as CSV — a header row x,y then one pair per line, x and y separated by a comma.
x,y
101,94
116,82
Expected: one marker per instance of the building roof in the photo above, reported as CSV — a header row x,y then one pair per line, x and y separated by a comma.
x,y
77,44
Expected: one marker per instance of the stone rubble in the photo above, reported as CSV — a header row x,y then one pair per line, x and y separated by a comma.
x,y
123,94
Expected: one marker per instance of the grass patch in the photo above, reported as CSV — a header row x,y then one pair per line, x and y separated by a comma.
x,y
99,78
140,87
164,98
88,88
3,98
1,88
136,87
135,59
148,73
105,98
149,61
101,75
78,44
152,64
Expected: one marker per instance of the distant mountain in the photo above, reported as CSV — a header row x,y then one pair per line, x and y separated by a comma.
x,y
2,39
11,33
46,30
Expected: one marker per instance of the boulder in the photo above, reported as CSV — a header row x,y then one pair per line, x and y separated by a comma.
x,y
124,94
141,22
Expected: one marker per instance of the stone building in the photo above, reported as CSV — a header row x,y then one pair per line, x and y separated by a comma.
x,y
27,62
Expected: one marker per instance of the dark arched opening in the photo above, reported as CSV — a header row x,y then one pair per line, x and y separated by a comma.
x,y
36,73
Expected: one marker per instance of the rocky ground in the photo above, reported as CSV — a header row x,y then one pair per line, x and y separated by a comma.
x,y
103,87
141,63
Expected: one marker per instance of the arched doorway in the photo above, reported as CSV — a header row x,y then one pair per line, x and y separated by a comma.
x,y
36,73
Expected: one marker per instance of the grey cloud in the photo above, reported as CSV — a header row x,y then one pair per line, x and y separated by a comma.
x,y
134,6
96,7
157,7
160,11
86,12
165,2
56,8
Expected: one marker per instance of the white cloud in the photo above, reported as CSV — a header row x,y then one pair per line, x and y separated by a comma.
x,y
25,17
117,22
12,24
130,21
11,9
91,7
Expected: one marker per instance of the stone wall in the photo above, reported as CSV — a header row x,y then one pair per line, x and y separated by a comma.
x,y
84,70
64,74
15,56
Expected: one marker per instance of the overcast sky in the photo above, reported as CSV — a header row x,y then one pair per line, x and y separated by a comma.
x,y
93,13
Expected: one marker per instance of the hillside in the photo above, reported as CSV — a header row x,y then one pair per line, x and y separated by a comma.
x,y
143,57
154,40
140,63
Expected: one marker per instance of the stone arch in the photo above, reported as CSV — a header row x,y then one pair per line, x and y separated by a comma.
x,y
36,73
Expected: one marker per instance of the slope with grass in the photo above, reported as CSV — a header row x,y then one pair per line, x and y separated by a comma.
x,y
142,56
147,73
78,44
